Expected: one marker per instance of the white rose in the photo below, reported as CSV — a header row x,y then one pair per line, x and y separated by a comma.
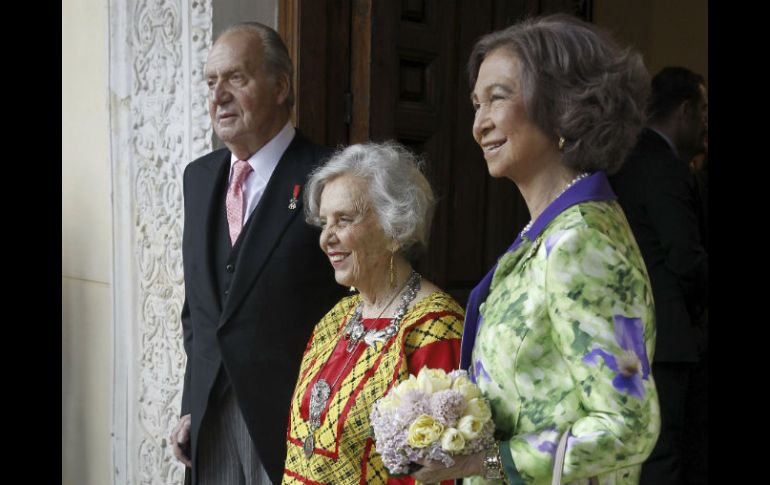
x,y
479,408
390,401
433,380
470,427
464,386
452,440
410,383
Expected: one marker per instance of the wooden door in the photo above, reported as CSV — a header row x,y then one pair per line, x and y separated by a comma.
x,y
379,70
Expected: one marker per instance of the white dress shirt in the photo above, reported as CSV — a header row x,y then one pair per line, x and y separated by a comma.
x,y
263,163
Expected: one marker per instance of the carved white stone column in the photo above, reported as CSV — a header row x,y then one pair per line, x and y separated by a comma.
x,y
159,123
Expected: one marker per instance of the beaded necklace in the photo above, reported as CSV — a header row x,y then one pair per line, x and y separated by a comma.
x,y
570,184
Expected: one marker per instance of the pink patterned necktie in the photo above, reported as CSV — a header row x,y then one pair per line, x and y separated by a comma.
x,y
234,200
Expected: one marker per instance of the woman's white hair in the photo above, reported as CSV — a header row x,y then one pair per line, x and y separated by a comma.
x,y
398,192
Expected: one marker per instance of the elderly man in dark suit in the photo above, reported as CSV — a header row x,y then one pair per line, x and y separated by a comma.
x,y
656,189
256,281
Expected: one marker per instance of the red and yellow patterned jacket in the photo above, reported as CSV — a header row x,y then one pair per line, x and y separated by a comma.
x,y
429,336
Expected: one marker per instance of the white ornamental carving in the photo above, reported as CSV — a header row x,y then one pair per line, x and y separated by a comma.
x,y
159,124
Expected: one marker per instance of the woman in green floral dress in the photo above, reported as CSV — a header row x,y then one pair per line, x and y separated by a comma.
x,y
560,333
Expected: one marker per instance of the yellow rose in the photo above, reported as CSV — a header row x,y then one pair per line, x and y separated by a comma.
x,y
464,386
470,427
424,431
452,440
479,408
410,383
433,380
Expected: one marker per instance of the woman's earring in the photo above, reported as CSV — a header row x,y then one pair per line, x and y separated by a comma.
x,y
561,143
392,272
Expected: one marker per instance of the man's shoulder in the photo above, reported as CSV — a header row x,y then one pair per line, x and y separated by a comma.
x,y
305,151
651,156
209,160
652,147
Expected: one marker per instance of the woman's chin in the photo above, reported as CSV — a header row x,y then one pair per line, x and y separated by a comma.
x,y
496,169
343,279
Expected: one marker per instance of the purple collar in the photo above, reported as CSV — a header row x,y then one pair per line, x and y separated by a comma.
x,y
592,188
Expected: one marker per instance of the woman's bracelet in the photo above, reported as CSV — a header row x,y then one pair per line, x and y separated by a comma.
x,y
493,465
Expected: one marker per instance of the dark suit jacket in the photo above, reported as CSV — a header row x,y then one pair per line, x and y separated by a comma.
x,y
279,286
656,191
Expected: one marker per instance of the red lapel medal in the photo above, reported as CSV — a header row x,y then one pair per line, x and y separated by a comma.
x,y
293,200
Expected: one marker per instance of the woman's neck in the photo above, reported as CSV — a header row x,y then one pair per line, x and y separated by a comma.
x,y
545,186
381,300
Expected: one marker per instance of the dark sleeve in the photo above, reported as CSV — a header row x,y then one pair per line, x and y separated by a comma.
x,y
674,218
187,332
188,337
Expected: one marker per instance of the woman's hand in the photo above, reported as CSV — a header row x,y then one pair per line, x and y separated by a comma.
x,y
465,466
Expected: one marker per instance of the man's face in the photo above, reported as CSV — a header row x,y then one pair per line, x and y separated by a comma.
x,y
246,104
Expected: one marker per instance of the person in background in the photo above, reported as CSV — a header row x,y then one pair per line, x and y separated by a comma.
x,y
375,209
559,334
699,166
254,285
658,192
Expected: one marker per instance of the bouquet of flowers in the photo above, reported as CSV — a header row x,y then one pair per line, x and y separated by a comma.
x,y
434,415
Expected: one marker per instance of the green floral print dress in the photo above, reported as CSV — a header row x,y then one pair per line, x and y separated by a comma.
x,y
565,338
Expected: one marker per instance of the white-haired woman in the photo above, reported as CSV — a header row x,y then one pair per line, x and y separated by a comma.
x,y
375,208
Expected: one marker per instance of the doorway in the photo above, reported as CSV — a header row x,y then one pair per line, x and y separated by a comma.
x,y
379,70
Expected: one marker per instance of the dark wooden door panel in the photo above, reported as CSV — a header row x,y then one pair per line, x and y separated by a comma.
x,y
467,253
396,69
317,34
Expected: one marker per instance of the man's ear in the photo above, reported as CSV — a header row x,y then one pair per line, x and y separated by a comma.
x,y
685,109
282,88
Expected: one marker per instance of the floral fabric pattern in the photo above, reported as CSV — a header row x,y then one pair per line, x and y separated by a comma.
x,y
566,337
631,365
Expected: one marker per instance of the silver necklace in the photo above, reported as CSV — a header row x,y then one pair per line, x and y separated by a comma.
x,y
570,184
319,396
355,332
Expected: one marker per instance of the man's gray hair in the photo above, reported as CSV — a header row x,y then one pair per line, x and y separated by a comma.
x,y
398,192
277,62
